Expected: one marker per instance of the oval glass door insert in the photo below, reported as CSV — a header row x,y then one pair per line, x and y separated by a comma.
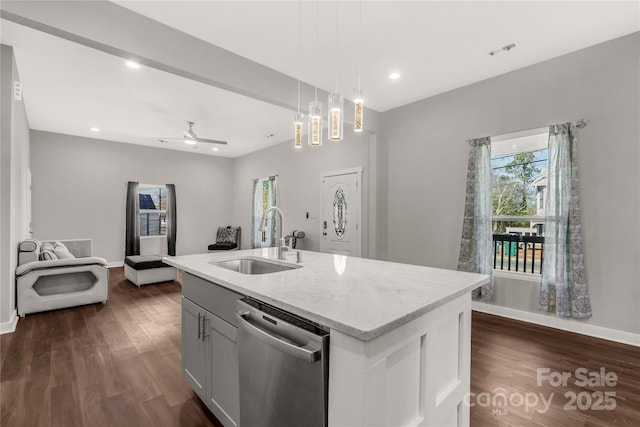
x,y
339,213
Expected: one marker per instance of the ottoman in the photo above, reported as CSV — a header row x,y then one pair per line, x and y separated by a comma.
x,y
146,269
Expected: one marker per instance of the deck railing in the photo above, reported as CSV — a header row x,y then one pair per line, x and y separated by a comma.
x,y
513,252
152,224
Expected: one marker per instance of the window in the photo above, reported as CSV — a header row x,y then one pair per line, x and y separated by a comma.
x,y
153,210
264,196
519,184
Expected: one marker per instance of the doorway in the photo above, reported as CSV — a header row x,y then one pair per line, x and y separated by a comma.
x,y
341,219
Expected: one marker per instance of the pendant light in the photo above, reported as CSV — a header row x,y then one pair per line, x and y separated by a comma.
x,y
315,123
336,122
315,107
358,111
336,102
297,130
358,103
297,119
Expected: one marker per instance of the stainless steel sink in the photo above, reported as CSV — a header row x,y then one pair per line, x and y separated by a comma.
x,y
253,266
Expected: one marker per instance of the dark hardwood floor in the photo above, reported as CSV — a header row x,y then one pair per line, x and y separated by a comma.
x,y
506,355
119,365
116,364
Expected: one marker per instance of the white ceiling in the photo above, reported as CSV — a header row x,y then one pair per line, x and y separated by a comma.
x,y
69,88
436,46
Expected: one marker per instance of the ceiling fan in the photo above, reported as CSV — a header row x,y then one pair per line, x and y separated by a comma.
x,y
189,137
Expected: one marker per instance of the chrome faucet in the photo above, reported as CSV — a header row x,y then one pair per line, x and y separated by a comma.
x,y
279,239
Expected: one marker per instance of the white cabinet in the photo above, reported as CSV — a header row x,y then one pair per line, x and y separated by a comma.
x,y
224,381
416,375
194,348
209,352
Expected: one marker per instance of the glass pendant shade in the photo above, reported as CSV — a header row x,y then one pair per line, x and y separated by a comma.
x,y
297,130
336,122
315,124
358,112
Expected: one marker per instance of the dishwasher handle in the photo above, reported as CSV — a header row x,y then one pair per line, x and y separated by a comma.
x,y
308,355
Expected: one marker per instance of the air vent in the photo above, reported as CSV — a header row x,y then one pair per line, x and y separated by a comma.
x,y
506,48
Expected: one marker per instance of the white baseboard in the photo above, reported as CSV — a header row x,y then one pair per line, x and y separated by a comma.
x,y
10,326
569,325
115,264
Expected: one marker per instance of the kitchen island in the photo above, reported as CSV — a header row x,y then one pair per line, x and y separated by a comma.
x,y
400,334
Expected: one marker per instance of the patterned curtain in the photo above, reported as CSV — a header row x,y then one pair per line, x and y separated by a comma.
x,y
264,196
564,285
476,246
132,220
171,219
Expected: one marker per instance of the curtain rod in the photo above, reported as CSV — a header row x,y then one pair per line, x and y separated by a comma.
x,y
580,124
269,176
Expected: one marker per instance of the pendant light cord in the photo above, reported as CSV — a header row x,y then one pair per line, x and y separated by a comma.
x,y
336,52
299,62
359,44
318,64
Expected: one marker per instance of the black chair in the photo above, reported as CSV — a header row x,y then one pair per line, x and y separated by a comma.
x,y
227,239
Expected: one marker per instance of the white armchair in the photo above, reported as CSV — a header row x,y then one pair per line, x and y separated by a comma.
x,y
59,283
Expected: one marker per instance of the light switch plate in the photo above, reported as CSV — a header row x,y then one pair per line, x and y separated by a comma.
x,y
17,90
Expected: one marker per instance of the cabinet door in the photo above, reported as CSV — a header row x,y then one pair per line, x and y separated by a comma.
x,y
224,382
194,348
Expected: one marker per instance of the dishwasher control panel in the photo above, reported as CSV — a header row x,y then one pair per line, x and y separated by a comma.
x,y
273,315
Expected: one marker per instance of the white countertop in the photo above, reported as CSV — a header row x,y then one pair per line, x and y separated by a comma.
x,y
360,297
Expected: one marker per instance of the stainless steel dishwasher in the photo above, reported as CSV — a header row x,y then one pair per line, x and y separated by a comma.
x,y
284,367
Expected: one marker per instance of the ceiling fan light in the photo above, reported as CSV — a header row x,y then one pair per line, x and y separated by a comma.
x,y
190,135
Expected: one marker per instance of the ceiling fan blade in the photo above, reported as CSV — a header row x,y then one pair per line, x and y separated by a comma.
x,y
176,141
212,141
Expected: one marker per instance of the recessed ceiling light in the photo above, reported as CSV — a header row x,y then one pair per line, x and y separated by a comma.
x,y
133,65
95,129
215,149
394,75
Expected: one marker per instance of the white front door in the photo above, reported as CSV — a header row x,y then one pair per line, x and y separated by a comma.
x,y
341,213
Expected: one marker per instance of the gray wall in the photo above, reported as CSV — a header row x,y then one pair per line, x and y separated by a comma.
x,y
13,183
299,185
79,190
427,159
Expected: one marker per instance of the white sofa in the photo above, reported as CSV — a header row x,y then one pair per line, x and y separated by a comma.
x,y
59,283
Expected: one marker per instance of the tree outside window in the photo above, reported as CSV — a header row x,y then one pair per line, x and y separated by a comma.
x,y
513,191
519,181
